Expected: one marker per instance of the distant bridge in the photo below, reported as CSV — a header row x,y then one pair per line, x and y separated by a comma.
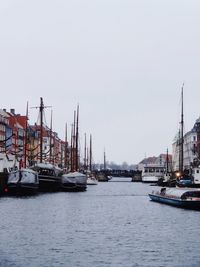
x,y
120,173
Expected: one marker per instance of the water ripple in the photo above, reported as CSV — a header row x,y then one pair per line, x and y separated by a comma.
x,y
109,225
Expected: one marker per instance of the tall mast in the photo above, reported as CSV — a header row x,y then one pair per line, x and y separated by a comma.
x,y
41,108
26,137
85,153
87,157
104,160
182,124
50,143
72,148
41,127
179,150
90,152
167,162
66,148
77,137
74,143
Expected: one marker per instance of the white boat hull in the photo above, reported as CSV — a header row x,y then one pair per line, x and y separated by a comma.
x,y
74,182
92,181
150,179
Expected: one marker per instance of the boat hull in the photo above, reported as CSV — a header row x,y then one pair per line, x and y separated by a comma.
x,y
73,182
92,181
22,189
49,183
22,182
71,187
150,179
102,178
3,183
187,204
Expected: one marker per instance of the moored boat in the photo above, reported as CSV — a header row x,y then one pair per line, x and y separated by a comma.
x,y
74,181
102,177
22,182
49,177
49,174
91,180
152,173
180,197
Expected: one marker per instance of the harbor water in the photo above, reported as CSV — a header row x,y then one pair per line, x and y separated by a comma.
x,y
111,224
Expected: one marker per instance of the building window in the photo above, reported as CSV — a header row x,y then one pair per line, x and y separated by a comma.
x,y
194,149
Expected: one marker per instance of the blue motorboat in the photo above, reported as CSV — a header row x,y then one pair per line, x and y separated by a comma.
x,y
180,197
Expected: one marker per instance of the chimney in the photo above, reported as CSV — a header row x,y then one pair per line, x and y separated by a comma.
x,y
12,110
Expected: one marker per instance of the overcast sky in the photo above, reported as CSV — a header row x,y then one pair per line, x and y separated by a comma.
x,y
123,61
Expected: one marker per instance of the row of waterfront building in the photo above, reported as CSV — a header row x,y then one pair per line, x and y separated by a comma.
x,y
191,151
18,139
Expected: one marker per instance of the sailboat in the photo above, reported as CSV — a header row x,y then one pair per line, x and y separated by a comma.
x,y
183,176
102,176
74,180
23,181
49,174
166,179
179,197
91,179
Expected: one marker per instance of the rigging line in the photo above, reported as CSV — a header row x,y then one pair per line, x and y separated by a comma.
x,y
38,119
44,116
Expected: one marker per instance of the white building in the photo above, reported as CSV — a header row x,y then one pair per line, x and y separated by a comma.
x,y
189,149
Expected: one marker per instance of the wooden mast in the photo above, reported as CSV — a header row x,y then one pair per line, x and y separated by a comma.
x,y
85,154
66,148
104,160
26,137
50,143
181,133
72,148
74,143
41,127
77,138
90,164
167,162
41,109
87,157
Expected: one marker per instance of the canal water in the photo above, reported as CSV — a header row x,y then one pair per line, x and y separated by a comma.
x,y
111,224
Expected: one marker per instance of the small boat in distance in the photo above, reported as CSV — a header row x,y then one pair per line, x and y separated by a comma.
x,y
180,197
22,182
91,179
102,174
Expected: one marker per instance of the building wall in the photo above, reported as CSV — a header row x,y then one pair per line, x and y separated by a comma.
x,y
189,150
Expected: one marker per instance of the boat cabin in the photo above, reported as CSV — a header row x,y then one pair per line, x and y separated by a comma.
x,y
153,170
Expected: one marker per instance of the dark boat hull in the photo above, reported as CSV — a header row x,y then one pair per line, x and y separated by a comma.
x,y
102,178
22,189
49,183
3,183
187,204
71,187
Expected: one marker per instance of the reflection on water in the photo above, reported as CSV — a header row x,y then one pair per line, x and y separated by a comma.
x,y
111,224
